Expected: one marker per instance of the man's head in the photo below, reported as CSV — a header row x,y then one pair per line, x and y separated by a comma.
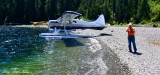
x,y
130,24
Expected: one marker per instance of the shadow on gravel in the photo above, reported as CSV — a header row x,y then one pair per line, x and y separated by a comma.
x,y
137,53
105,34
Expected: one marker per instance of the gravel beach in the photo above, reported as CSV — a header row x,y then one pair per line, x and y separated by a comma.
x,y
146,62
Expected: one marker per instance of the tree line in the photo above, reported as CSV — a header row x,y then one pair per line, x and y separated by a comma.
x,y
115,11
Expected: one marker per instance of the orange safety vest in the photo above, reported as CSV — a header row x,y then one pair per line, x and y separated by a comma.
x,y
130,33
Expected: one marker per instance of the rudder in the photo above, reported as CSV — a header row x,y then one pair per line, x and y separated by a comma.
x,y
101,20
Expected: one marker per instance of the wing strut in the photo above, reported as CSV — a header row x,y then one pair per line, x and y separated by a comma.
x,y
64,24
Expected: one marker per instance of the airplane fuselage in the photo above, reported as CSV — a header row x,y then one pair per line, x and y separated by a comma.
x,y
75,24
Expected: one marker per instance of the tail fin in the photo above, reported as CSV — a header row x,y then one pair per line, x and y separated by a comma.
x,y
101,20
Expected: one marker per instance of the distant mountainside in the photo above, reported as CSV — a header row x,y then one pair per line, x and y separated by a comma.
x,y
115,11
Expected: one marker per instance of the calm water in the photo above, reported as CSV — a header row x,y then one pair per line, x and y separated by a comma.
x,y
22,51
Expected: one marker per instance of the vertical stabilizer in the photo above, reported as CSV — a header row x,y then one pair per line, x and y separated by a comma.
x,y
101,20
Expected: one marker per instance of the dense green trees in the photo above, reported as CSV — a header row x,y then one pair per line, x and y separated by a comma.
x,y
115,11
143,11
155,10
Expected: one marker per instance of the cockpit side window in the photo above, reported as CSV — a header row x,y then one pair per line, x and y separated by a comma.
x,y
74,21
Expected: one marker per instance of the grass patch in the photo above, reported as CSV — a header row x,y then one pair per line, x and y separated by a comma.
x,y
150,24
40,23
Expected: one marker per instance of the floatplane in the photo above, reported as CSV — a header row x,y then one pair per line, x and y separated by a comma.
x,y
63,27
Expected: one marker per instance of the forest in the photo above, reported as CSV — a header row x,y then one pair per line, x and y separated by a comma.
x,y
115,11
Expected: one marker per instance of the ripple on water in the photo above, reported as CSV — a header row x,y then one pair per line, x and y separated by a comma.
x,y
22,51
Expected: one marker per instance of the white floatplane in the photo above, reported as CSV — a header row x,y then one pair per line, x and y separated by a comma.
x,y
62,27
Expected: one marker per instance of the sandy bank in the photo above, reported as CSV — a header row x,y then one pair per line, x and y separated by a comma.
x,y
31,26
148,63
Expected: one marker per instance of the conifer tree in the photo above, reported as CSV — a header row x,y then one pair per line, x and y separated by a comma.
x,y
143,11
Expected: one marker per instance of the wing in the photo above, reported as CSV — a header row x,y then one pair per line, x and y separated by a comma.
x,y
67,16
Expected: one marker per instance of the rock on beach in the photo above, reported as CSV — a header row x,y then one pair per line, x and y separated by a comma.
x,y
147,62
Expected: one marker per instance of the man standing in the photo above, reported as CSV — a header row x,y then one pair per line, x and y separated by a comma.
x,y
131,38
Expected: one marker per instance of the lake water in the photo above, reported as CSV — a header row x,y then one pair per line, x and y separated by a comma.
x,y
22,51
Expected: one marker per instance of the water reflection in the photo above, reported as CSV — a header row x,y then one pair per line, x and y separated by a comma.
x,y
18,45
23,52
18,42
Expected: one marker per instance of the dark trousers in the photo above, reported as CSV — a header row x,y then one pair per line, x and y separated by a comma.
x,y
131,39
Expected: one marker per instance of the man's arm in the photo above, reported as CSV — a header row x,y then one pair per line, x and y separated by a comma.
x,y
127,30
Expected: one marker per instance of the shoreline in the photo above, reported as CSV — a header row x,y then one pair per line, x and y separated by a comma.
x,y
110,58
147,44
105,60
